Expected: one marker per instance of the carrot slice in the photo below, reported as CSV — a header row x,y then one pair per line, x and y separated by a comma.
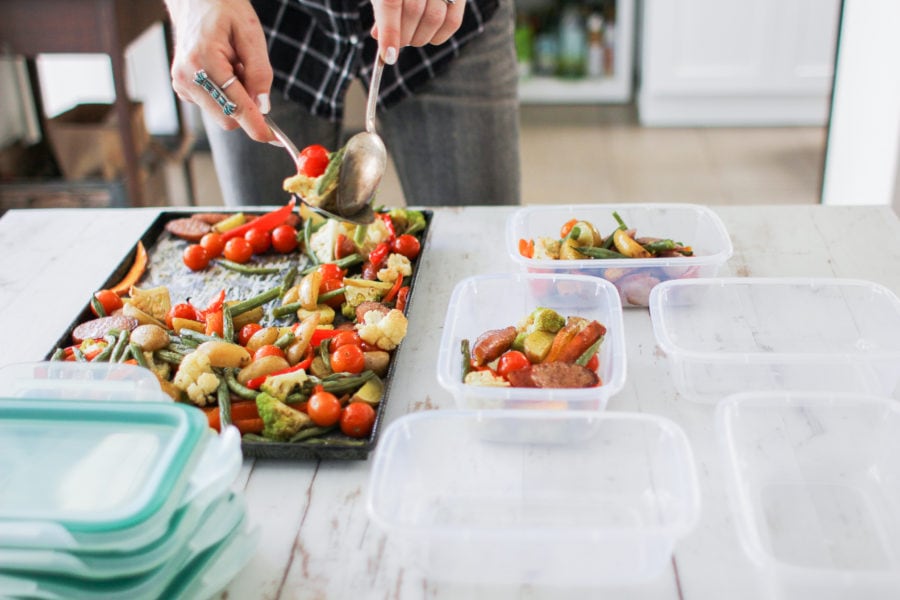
x,y
134,273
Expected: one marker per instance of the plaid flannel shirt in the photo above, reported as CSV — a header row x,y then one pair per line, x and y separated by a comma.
x,y
317,48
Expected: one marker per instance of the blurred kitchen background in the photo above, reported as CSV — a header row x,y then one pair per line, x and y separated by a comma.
x,y
705,101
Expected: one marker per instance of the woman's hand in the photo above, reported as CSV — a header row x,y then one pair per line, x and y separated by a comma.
x,y
400,23
225,39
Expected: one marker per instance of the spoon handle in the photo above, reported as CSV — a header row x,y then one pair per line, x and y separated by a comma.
x,y
289,146
372,101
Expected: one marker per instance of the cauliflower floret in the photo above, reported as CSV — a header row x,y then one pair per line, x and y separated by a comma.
x,y
280,421
376,232
396,265
546,248
322,241
196,379
280,386
486,378
385,330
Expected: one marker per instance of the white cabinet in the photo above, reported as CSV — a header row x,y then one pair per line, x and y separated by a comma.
x,y
737,62
614,88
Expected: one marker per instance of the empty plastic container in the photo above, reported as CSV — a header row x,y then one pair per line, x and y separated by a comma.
x,y
730,335
481,303
815,488
691,224
562,498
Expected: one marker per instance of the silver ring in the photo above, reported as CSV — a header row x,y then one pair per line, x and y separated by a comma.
x,y
203,80
450,2
232,79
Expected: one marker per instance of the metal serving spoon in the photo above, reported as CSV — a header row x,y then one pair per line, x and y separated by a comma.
x,y
365,160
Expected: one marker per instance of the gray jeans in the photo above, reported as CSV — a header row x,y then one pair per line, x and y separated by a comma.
x,y
454,143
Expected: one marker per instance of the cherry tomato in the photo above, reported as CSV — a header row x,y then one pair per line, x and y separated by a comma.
x,y
284,238
331,271
195,257
247,332
348,359
238,250
260,239
313,160
408,245
109,300
182,310
213,243
268,350
594,363
329,285
357,419
324,408
511,360
344,338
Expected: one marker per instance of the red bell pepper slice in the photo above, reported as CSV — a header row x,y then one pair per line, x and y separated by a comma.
x,y
319,335
267,222
402,298
256,382
389,224
395,289
379,254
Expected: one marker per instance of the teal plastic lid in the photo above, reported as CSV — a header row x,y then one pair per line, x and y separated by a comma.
x,y
93,474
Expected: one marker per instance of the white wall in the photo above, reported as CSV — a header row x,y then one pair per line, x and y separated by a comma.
x,y
863,151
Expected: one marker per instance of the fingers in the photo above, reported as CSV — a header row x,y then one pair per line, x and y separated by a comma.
x,y
400,23
224,41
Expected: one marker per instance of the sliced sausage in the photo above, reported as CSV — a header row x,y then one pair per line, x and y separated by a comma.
x,y
563,375
97,328
365,307
210,218
520,378
491,344
188,228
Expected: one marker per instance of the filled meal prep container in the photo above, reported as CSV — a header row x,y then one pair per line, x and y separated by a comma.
x,y
486,302
690,224
111,489
730,335
814,485
562,498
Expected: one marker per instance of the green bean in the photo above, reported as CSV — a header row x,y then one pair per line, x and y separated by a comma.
x,y
138,355
657,246
223,395
107,351
169,356
119,349
227,325
247,269
311,432
332,294
237,388
285,340
190,336
466,358
79,355
252,437
285,309
589,353
307,247
346,383
58,354
251,303
619,220
347,261
596,252
288,281
296,398
359,234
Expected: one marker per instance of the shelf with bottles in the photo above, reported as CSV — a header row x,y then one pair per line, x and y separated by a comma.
x,y
574,51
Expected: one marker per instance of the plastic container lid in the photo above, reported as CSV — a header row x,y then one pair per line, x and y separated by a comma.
x,y
813,482
551,497
692,224
481,303
94,475
80,381
729,335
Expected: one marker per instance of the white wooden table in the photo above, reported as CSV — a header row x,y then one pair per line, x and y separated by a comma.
x,y
316,541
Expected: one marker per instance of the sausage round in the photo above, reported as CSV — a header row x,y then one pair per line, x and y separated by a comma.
x,y
188,228
97,328
563,375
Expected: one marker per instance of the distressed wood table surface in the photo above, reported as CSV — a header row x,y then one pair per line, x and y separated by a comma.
x,y
316,540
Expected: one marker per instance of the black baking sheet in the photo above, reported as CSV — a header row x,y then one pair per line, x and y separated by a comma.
x,y
165,267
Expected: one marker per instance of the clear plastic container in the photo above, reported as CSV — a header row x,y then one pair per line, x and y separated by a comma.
x,y
565,498
486,302
730,335
693,225
80,381
815,490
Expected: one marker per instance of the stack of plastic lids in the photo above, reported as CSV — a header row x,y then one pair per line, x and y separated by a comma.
x,y
106,498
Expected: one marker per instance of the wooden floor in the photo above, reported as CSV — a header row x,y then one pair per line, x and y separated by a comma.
x,y
601,154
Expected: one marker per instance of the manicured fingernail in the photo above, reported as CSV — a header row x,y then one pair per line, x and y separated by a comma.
x,y
277,143
262,101
390,56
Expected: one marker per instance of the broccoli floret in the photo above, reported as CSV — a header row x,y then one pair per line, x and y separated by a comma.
x,y
407,221
540,319
281,422
282,385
